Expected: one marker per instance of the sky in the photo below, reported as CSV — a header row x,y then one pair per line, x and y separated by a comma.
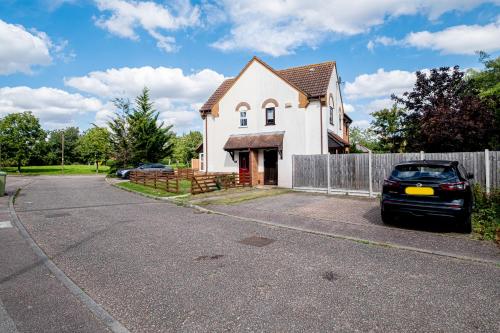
x,y
66,60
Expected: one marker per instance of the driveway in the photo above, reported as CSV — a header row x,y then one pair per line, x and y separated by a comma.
x,y
359,218
159,267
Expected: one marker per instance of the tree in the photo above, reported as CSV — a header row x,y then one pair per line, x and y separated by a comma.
x,y
185,146
19,134
363,137
120,138
445,113
388,126
487,82
94,145
151,140
71,137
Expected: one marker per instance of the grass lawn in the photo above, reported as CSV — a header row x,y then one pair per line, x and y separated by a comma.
x,y
185,187
56,170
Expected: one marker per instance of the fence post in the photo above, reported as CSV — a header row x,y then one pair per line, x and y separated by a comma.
x,y
422,155
370,176
487,167
328,173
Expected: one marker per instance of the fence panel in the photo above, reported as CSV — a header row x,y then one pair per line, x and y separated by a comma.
x,y
310,171
351,171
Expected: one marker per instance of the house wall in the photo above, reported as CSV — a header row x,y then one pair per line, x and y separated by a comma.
x,y
255,85
334,91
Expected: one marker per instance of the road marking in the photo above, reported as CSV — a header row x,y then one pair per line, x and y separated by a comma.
x,y
5,225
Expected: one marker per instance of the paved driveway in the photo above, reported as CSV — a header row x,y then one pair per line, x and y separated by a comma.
x,y
158,267
359,218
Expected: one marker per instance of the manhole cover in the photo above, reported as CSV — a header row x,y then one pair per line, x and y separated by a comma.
x,y
51,216
256,241
214,257
330,276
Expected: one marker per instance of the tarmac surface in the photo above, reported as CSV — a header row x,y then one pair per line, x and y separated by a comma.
x,y
158,267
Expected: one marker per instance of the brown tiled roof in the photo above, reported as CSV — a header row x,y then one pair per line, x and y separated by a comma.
x,y
310,79
337,139
217,95
255,141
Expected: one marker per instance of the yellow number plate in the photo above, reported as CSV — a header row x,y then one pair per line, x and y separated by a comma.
x,y
419,190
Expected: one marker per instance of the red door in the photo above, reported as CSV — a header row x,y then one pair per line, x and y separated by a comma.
x,y
244,167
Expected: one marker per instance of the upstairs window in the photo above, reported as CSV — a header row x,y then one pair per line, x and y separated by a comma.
x,y
331,115
243,119
270,116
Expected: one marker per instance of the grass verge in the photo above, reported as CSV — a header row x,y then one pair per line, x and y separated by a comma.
x,y
242,197
486,214
55,170
184,185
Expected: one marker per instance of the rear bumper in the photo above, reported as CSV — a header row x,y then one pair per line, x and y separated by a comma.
x,y
396,207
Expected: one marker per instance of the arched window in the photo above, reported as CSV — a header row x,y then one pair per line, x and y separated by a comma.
x,y
332,107
242,108
270,106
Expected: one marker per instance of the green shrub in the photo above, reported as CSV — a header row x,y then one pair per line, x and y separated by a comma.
x,y
486,214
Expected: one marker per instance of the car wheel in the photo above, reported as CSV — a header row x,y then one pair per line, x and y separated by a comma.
x,y
387,218
465,223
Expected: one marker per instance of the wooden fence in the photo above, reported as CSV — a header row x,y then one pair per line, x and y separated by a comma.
x,y
200,182
157,179
208,182
365,173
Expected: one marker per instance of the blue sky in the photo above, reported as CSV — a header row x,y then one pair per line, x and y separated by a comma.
x,y
65,60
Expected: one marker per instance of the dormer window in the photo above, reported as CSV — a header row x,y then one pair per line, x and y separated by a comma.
x,y
243,119
270,116
331,115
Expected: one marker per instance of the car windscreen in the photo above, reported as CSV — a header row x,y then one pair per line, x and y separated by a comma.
x,y
423,172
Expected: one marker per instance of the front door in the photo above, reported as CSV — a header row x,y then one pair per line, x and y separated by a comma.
x,y
244,162
270,167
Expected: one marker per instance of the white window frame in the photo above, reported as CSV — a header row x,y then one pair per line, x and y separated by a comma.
x,y
243,118
201,157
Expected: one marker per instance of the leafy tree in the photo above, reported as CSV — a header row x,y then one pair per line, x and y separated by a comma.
x,y
150,139
445,113
487,82
363,137
120,138
71,137
388,126
94,145
19,134
185,146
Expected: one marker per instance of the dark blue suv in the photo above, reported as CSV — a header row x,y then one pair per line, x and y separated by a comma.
x,y
429,188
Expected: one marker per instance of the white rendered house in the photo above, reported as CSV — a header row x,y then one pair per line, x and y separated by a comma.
x,y
258,120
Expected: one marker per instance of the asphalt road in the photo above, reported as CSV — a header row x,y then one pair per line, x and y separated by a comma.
x,y
158,267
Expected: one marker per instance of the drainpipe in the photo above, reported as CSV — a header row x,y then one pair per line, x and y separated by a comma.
x,y
206,144
321,122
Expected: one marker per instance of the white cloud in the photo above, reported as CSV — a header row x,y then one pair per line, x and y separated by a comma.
x,y
20,49
381,83
378,104
349,108
127,15
280,27
461,39
55,107
177,96
361,124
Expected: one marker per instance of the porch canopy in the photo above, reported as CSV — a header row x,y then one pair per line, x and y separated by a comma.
x,y
255,141
336,142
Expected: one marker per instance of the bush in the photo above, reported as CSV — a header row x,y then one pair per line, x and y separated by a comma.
x,y
486,214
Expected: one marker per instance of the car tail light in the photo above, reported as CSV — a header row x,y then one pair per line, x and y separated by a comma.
x,y
391,184
460,186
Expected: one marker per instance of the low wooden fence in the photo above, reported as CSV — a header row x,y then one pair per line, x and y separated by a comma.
x,y
200,182
365,173
157,179
208,182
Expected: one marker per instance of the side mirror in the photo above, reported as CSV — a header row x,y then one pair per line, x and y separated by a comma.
x,y
470,175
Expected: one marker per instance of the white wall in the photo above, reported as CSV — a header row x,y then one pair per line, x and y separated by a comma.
x,y
301,125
